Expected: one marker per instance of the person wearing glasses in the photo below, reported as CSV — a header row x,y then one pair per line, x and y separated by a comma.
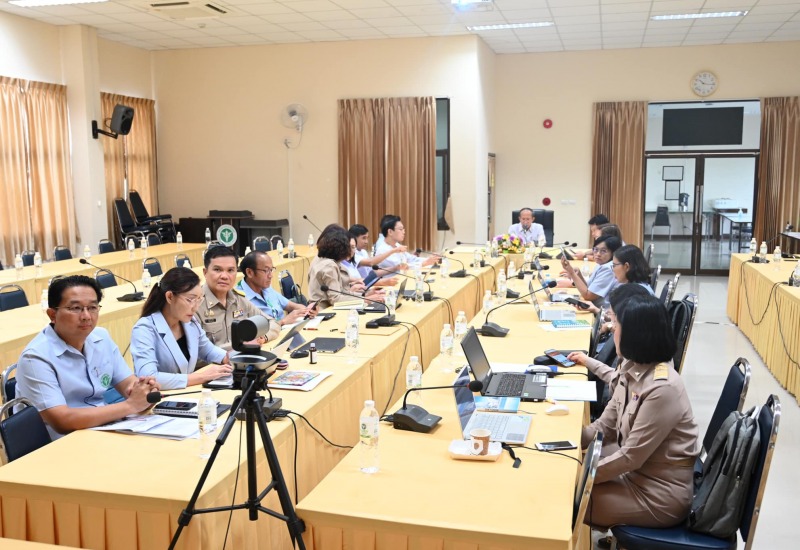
x,y
257,287
167,341
602,280
69,366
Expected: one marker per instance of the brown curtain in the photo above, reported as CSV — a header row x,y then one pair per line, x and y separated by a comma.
x,y
618,165
387,161
779,168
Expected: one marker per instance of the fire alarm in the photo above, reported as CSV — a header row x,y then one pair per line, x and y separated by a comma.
x,y
547,123
546,201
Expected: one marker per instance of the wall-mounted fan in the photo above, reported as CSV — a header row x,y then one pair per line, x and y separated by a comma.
x,y
294,116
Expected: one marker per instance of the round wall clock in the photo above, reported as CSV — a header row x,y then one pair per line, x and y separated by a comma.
x,y
704,83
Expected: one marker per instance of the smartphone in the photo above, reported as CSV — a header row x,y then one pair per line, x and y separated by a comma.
x,y
312,305
577,303
179,405
559,358
556,446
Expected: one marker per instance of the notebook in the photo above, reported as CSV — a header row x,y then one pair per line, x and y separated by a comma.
x,y
325,345
528,387
507,428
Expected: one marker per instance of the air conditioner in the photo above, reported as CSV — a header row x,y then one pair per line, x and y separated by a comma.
x,y
187,10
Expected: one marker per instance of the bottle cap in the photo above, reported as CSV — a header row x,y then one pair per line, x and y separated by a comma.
x,y
369,403
461,313
414,359
447,325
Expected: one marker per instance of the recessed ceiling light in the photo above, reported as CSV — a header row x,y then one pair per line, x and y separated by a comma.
x,y
705,15
41,3
510,26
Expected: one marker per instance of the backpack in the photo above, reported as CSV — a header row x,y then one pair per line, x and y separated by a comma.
x,y
722,487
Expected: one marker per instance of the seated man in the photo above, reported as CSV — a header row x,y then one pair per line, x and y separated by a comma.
x,y
256,287
526,230
594,229
221,305
394,233
69,366
362,260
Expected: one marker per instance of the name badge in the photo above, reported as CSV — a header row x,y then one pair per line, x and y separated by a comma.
x,y
238,313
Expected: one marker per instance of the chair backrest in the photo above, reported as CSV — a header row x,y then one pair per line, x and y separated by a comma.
x,y
61,252
262,243
666,293
153,266
674,287
153,239
105,278
731,399
8,386
23,432
290,290
769,417
182,260
12,297
648,253
662,215
123,215
27,257
105,246
584,488
654,277
682,314
275,239
140,212
546,218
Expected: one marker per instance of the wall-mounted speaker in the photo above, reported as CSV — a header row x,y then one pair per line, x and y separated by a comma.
x,y
121,120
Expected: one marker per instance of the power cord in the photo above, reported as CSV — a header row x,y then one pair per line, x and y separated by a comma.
x,y
399,368
449,307
543,451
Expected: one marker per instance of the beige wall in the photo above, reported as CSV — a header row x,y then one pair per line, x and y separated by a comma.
x,y
533,163
30,49
124,69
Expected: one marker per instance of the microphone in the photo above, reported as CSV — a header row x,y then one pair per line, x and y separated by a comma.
x,y
427,296
312,223
495,330
461,273
414,418
135,296
157,396
385,321
756,259
470,244
546,255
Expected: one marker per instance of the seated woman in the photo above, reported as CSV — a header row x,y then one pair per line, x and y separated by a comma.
x,y
647,480
629,266
167,341
602,280
326,270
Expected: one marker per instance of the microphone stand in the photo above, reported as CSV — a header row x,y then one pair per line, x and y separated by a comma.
x,y
426,296
385,321
312,223
495,330
135,296
414,418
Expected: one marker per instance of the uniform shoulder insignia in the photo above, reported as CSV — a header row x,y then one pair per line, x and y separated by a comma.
x,y
661,372
238,291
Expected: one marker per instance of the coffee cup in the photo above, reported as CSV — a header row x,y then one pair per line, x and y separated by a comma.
x,y
479,441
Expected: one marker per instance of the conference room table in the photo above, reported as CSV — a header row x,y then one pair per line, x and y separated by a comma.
x,y
768,314
128,492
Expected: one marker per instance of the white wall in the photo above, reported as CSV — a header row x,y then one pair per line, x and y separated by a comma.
x,y
30,49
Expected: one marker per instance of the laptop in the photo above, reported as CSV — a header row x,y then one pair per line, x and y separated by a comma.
x,y
545,315
527,386
407,294
507,428
324,345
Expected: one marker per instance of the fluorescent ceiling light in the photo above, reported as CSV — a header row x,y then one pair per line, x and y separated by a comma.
x,y
41,3
468,2
705,15
510,26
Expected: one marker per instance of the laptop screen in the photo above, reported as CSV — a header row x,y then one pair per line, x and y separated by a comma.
x,y
476,357
465,401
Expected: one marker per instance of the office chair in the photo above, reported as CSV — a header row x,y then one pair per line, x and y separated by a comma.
x,y
680,537
662,220
126,223
105,278
153,239
105,246
583,490
163,224
648,253
182,260
290,290
654,277
734,392
262,244
27,257
12,297
153,266
8,386
23,432
61,252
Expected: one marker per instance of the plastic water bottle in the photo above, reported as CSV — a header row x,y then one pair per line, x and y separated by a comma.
x,y
414,380
18,265
143,246
740,213
179,240
131,247
87,252
797,274
310,240
762,251
776,257
351,333
461,326
291,248
501,285
147,280
247,250
37,259
753,245
547,279
495,251
43,300
476,259
586,271
368,432
512,269
208,236
444,268
279,248
419,288
487,301
206,422
446,342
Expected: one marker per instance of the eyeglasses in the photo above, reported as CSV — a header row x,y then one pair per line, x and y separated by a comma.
x,y
598,250
77,310
267,270
191,300
615,264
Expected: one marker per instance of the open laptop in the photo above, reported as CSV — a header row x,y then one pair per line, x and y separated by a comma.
x,y
555,314
527,386
508,428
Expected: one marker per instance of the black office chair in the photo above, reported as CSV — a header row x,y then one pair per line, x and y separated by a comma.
x,y
662,220
680,537
182,260
654,277
583,489
153,266
546,218
164,224
648,253
734,392
126,223
27,257
61,252
290,290
23,432
12,297
262,244
105,278
105,246
8,386
668,291
153,239
682,314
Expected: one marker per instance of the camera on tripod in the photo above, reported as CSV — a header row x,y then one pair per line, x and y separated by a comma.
x,y
251,363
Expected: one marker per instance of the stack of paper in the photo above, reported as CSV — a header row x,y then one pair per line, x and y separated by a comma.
x,y
154,425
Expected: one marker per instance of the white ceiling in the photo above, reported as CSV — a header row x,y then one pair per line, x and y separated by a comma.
x,y
579,24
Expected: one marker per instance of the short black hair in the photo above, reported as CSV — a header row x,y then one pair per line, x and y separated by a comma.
x,y
57,287
250,261
357,230
217,252
647,335
388,222
638,270
334,244
619,297
612,243
598,219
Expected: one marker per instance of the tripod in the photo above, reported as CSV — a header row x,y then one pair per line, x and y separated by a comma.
x,y
252,404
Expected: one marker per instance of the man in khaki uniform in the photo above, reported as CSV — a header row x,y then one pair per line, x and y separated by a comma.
x,y
222,304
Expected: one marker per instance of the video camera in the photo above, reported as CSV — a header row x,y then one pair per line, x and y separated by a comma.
x,y
251,363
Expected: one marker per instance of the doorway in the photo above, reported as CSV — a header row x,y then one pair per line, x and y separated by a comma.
x,y
699,210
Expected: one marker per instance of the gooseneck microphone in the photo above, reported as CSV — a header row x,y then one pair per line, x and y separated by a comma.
x,y
461,273
495,330
756,259
414,418
156,396
385,321
312,223
427,295
135,296
546,255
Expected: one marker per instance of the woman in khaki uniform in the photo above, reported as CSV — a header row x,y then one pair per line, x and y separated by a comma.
x,y
645,479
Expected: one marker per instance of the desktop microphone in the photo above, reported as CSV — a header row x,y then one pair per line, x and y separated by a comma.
x,y
426,296
414,418
135,296
495,330
756,259
156,396
312,223
546,255
461,273
385,321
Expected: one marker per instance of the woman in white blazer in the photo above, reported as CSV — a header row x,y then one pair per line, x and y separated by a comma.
x,y
167,342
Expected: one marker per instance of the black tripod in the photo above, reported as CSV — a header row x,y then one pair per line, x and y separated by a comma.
x,y
252,404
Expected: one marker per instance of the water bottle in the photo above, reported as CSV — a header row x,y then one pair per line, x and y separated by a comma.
x,y
446,341
43,300
37,259
208,236
776,257
547,279
585,269
419,288
762,251
797,274
414,380
753,245
18,265
179,240
87,252
501,285
291,248
487,301
512,269
131,247
312,353
459,333
476,260
351,333
487,249
368,438
444,268
495,251
279,248
247,250
206,422
143,246
310,240
147,280
740,213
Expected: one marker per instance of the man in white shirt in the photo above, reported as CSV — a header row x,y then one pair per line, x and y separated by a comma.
x,y
394,233
526,230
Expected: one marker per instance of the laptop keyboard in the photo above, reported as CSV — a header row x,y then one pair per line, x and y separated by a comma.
x,y
496,423
510,384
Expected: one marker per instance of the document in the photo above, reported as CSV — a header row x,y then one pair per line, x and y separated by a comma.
x,y
154,425
559,389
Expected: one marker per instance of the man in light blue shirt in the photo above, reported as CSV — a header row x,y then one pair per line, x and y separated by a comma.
x,y
258,270
526,230
68,367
